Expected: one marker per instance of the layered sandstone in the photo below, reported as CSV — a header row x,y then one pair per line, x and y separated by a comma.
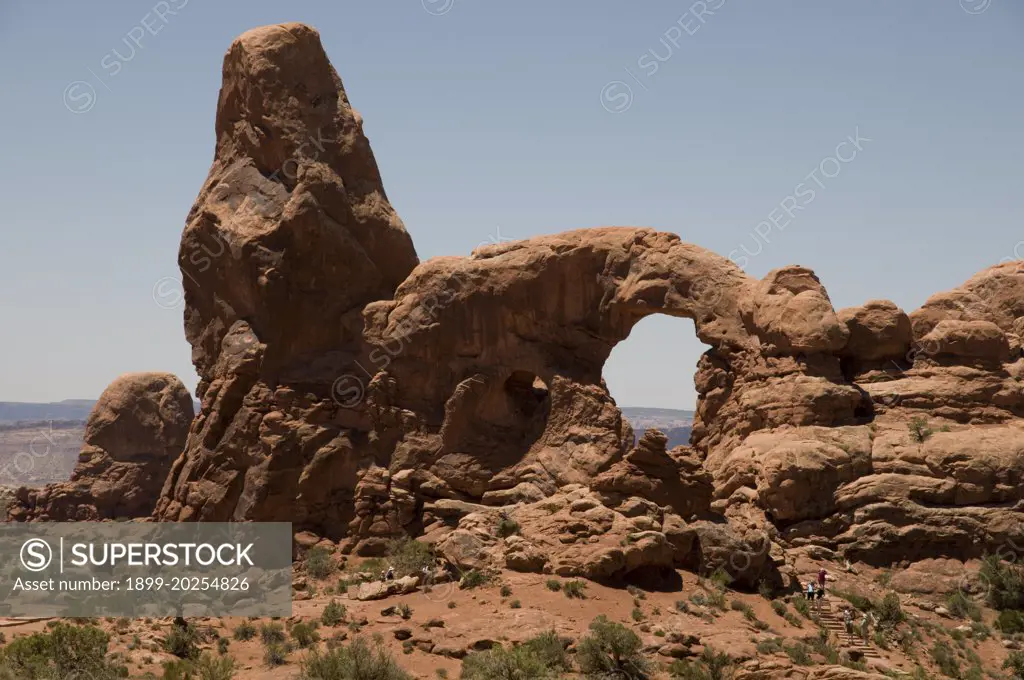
x,y
362,395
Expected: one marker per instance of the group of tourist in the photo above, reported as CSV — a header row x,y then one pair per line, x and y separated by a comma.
x,y
815,593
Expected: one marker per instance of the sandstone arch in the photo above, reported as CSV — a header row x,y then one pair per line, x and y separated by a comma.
x,y
360,394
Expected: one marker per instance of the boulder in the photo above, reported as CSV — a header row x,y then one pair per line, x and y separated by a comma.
x,y
135,432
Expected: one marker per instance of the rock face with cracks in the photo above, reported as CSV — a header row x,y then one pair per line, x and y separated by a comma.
x,y
363,395
136,431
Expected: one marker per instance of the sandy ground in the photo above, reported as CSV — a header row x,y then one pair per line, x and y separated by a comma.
x,y
479,617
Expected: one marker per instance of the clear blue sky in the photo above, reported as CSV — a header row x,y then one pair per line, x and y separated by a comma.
x,y
489,120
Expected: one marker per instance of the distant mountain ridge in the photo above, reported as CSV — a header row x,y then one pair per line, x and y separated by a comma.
x,y
69,409
66,410
675,423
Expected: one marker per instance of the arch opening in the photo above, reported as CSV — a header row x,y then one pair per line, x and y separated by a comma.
x,y
650,375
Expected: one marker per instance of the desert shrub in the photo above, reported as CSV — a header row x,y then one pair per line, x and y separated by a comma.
x,y
272,632
792,620
305,634
319,564
637,614
333,614
515,604
919,429
550,648
500,663
802,606
769,646
1010,621
356,661
682,607
222,645
574,589
857,600
206,667
62,651
505,591
962,607
409,556
636,592
507,527
720,578
889,611
1015,664
611,651
1004,583
182,642
473,578
945,659
276,654
553,584
779,607
799,653
716,599
710,665
244,631
765,589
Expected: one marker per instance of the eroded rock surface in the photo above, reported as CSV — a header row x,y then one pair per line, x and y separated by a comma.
x,y
362,395
136,431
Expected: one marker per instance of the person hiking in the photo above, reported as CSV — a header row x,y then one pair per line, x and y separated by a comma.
x,y
848,622
822,577
390,575
865,625
810,590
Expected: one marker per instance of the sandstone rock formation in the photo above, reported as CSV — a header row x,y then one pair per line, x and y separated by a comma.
x,y
135,432
362,396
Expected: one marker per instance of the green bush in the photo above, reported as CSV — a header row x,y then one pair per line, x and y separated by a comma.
x,y
1003,583
611,651
945,659
505,591
962,607
245,631
803,607
473,578
919,429
222,645
272,632
182,642
574,589
550,648
408,556
305,634
62,651
553,584
769,646
710,666
276,654
1010,621
206,667
333,614
507,527
800,654
319,564
500,663
356,661
889,611
1015,664
779,607
860,602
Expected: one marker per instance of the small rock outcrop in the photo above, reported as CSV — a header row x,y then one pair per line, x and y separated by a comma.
x,y
136,431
